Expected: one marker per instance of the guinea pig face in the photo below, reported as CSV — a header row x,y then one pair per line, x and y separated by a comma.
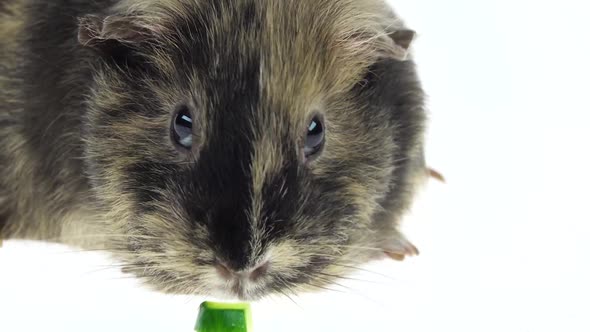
x,y
242,150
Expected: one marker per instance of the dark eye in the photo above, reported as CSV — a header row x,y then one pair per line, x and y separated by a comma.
x,y
182,128
315,137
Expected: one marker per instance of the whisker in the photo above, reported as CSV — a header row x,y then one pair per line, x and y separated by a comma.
x,y
346,278
289,297
325,288
102,236
337,246
83,250
351,291
365,270
189,300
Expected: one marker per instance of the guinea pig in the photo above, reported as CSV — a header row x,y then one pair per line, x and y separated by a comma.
x,y
233,148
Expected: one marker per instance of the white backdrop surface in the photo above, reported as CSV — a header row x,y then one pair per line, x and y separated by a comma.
x,y
504,244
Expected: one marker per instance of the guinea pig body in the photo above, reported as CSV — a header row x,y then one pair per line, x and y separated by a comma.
x,y
227,147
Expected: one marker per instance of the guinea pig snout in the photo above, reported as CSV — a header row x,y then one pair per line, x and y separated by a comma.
x,y
252,274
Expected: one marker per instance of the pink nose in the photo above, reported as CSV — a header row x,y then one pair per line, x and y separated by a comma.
x,y
253,273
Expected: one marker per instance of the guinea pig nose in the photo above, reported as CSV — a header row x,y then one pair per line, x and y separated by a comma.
x,y
253,274
259,270
224,270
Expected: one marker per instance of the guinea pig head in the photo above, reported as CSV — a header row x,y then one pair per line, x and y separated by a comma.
x,y
243,148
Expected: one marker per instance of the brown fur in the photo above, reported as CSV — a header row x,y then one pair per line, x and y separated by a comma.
x,y
309,62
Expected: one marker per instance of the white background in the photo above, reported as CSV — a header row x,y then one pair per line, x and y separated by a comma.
x,y
505,243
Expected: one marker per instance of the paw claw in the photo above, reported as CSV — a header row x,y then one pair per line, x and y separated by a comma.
x,y
436,175
400,249
395,256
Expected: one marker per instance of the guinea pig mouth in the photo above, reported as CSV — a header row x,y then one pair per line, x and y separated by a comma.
x,y
244,289
240,292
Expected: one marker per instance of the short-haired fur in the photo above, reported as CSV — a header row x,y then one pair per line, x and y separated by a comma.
x,y
88,90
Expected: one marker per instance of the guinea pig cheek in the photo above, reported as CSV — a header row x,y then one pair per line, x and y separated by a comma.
x,y
285,255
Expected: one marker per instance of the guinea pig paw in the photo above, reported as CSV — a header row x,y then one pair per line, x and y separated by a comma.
x,y
436,175
400,248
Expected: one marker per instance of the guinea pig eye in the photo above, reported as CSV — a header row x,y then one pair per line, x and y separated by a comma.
x,y
314,139
182,128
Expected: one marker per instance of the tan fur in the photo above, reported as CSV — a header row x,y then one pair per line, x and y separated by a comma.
x,y
308,64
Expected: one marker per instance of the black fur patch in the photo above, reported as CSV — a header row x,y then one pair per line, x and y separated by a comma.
x,y
219,192
56,81
3,219
282,197
393,86
145,178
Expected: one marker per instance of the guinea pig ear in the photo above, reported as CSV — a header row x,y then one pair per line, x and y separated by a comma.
x,y
102,33
402,40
